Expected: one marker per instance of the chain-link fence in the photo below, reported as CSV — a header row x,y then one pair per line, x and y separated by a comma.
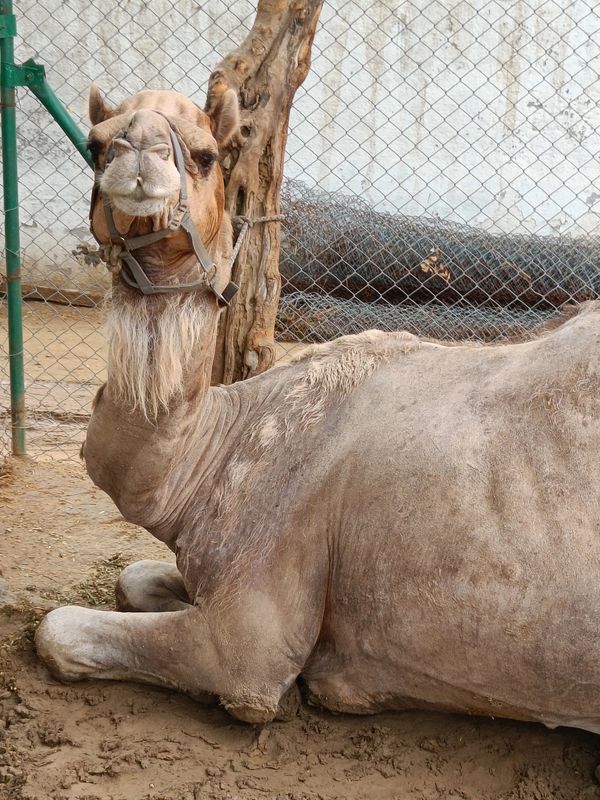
x,y
441,175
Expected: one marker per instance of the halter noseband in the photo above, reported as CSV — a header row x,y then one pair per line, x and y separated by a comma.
x,y
131,270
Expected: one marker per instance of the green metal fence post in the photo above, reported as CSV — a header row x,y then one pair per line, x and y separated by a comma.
x,y
51,103
11,223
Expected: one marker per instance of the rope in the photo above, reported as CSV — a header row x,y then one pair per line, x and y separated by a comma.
x,y
247,224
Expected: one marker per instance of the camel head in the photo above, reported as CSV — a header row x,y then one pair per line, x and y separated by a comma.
x,y
158,210
134,156
133,152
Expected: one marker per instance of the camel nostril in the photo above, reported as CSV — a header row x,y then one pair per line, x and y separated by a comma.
x,y
139,180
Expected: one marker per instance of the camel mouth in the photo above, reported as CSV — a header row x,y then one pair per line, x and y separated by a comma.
x,y
141,189
140,198
139,205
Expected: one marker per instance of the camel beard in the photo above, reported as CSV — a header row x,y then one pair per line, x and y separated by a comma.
x,y
151,348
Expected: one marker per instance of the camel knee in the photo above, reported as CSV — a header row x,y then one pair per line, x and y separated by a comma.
x,y
263,706
180,650
151,586
61,643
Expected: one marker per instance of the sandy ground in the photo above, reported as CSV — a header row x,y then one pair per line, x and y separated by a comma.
x,y
63,541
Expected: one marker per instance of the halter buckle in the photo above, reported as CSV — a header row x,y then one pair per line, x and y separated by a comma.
x,y
177,214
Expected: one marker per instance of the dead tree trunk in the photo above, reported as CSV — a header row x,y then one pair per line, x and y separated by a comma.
x,y
266,71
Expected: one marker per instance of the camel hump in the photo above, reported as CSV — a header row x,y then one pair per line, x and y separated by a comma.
x,y
332,371
361,346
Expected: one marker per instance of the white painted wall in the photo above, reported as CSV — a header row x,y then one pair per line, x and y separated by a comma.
x,y
464,110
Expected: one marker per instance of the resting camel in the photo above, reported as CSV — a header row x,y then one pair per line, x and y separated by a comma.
x,y
399,523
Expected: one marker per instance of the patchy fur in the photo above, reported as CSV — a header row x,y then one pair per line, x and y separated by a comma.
x,y
335,369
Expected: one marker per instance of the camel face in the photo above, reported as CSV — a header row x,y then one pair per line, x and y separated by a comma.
x,y
135,162
156,159
141,177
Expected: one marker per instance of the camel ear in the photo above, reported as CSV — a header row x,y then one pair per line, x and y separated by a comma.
x,y
225,116
98,108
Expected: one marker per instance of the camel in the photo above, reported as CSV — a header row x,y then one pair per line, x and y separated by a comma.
x,y
397,523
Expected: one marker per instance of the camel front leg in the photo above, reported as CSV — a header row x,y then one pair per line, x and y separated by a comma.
x,y
163,648
175,649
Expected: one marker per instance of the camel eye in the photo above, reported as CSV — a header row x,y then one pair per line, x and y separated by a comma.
x,y
204,159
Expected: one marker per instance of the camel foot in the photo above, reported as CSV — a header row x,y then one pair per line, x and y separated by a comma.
x,y
76,643
151,586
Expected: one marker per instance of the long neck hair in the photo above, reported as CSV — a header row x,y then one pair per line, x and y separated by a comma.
x,y
152,344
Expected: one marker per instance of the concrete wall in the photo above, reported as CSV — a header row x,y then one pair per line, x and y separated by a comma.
x,y
461,110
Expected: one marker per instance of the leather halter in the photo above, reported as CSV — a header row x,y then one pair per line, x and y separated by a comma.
x,y
132,272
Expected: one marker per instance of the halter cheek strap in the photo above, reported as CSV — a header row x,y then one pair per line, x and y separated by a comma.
x,y
132,272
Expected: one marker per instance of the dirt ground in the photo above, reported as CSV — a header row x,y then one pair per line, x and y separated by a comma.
x,y
63,541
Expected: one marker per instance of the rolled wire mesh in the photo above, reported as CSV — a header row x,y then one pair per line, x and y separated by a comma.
x,y
441,173
347,267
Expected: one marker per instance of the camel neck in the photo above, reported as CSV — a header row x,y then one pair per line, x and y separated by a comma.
x,y
154,471
157,399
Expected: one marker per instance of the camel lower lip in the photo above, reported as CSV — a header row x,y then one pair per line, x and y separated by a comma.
x,y
139,205
138,195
